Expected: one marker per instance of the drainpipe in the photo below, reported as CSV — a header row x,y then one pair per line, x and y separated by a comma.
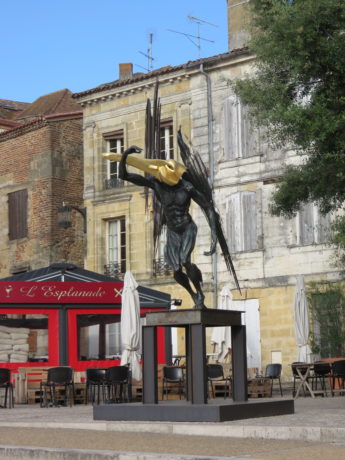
x,y
212,172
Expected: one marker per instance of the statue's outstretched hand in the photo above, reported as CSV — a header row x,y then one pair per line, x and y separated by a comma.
x,y
212,249
132,149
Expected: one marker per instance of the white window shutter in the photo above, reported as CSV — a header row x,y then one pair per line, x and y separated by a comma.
x,y
231,128
234,223
242,221
323,228
240,140
249,220
249,137
306,224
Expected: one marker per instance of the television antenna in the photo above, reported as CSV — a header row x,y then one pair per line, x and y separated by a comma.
x,y
148,55
198,38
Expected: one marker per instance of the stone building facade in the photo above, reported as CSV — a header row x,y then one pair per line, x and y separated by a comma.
x,y
41,167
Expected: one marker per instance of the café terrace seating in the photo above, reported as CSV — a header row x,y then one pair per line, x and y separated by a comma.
x,y
173,377
7,386
319,378
215,375
58,378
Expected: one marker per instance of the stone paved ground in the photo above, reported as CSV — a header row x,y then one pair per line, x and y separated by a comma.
x,y
317,430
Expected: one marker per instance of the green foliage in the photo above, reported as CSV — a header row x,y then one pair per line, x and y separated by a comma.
x,y
298,94
327,307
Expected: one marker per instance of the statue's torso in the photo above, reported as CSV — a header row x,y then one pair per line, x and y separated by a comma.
x,y
175,202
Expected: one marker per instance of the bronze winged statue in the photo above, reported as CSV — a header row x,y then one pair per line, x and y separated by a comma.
x,y
175,185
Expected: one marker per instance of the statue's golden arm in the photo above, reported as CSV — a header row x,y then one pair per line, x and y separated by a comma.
x,y
168,172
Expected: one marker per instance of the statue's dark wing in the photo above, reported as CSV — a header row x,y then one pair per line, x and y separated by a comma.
x,y
152,150
198,176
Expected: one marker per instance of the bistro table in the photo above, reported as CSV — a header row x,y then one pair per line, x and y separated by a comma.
x,y
304,370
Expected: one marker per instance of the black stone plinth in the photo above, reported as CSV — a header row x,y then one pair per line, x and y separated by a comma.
x,y
182,318
181,411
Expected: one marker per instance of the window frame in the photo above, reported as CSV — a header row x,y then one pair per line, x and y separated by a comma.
x,y
121,246
166,139
115,144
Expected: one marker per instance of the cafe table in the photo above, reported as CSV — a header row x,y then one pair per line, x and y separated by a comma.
x,y
304,371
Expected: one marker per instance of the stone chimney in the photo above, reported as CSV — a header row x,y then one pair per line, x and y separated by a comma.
x,y
238,21
125,71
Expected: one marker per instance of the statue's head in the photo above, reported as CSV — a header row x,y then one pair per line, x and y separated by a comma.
x,y
167,171
170,173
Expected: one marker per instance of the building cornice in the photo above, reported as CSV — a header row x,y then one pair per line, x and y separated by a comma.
x,y
37,123
166,75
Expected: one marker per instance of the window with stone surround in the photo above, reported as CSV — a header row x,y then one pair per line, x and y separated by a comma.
x,y
18,214
115,144
312,226
167,139
242,221
116,247
239,138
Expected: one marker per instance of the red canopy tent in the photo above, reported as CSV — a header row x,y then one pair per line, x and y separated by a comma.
x,y
65,315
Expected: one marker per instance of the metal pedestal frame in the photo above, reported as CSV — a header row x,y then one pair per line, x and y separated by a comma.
x,y
194,322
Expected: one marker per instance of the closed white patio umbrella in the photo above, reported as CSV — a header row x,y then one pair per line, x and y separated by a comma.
x,y
302,321
130,326
221,336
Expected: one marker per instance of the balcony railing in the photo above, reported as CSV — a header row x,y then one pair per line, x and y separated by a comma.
x,y
114,269
114,182
161,268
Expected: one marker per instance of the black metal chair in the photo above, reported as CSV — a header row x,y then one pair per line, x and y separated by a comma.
x,y
322,373
215,374
7,385
273,371
173,377
58,378
95,385
117,384
338,376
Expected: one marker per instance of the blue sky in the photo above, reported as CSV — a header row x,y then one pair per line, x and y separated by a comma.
x,y
49,45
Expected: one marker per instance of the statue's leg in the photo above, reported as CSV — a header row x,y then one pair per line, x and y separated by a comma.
x,y
195,276
183,280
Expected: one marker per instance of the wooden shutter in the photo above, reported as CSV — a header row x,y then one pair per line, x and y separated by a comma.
x,y
242,221
234,223
249,137
231,128
324,228
249,219
306,224
17,214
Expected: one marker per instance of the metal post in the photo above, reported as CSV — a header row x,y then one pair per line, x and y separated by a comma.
x,y
239,363
189,371
150,388
198,365
63,336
